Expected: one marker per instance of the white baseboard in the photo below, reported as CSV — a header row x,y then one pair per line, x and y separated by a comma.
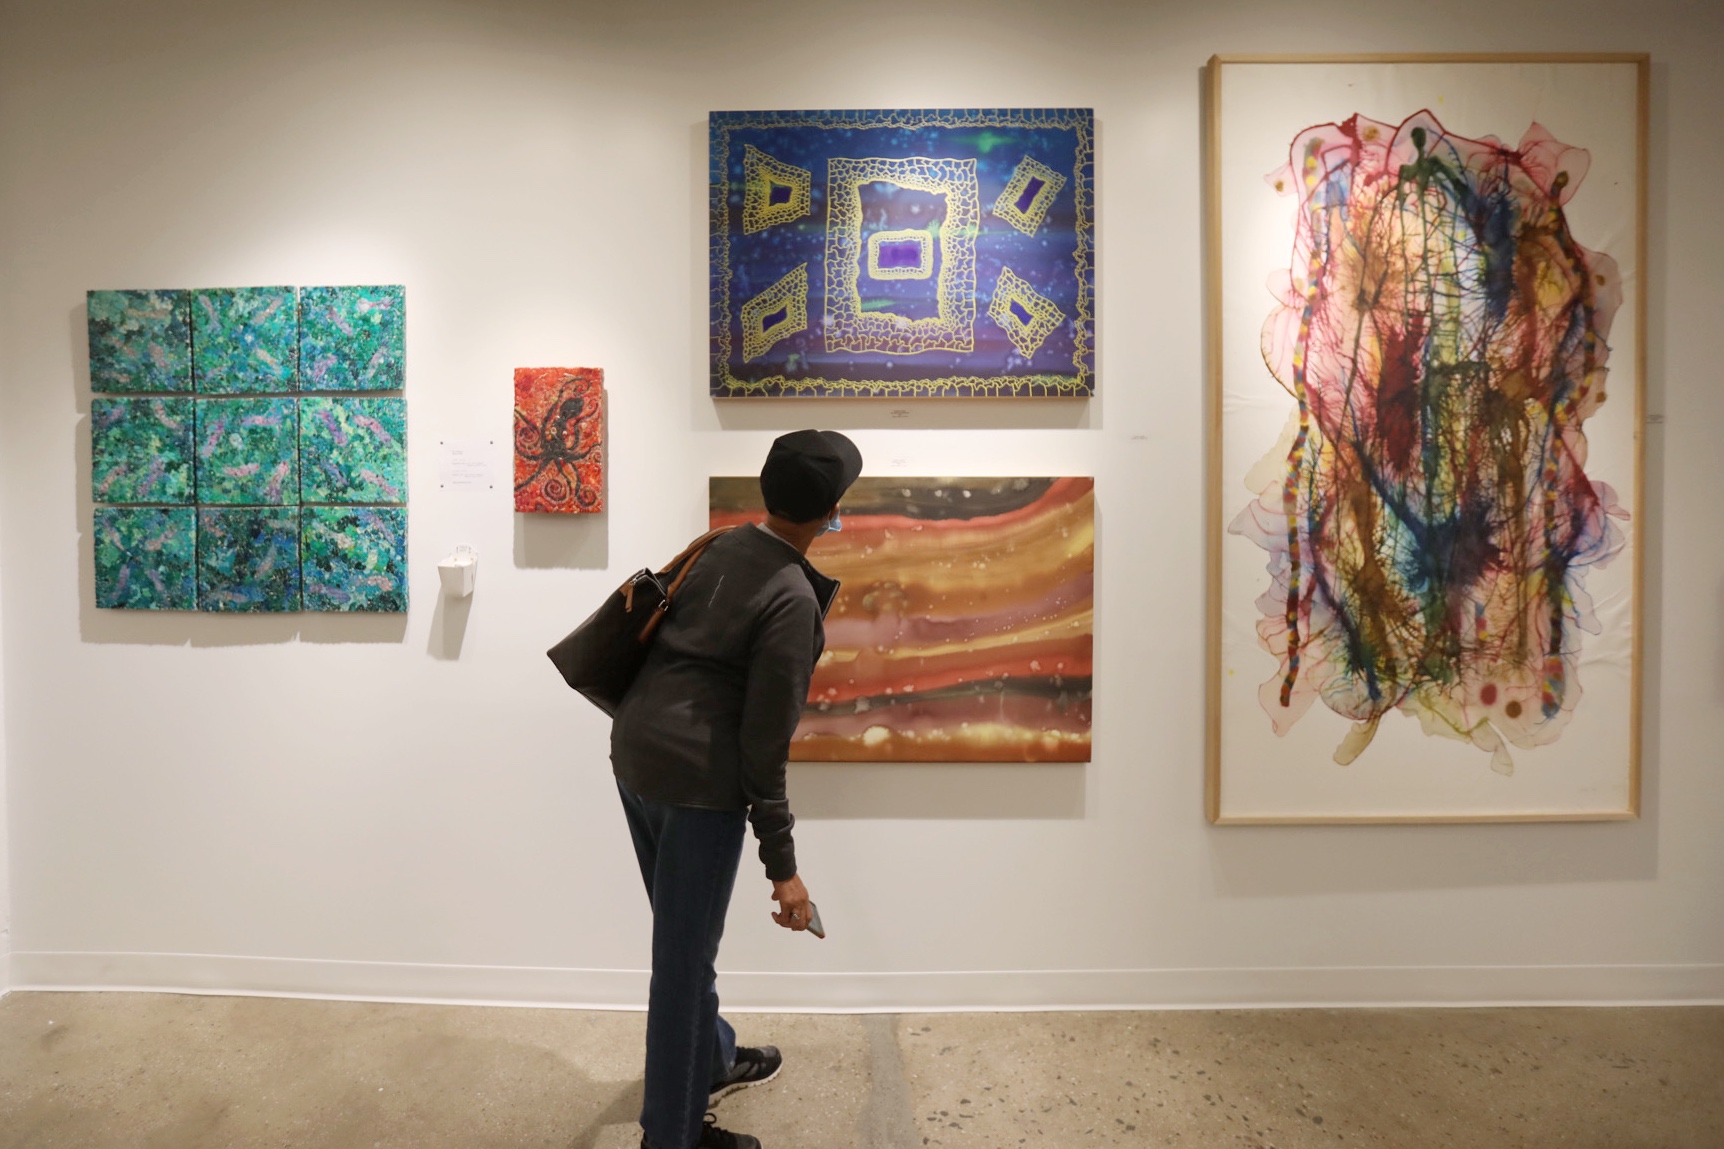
x,y
882,992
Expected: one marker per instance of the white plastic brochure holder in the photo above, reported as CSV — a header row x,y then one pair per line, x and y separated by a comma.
x,y
458,571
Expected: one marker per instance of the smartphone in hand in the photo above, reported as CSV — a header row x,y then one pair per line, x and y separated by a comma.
x,y
814,926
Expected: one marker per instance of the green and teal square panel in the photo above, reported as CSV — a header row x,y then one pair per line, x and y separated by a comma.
x,y
248,451
245,340
354,558
353,450
146,558
353,338
140,341
141,449
248,559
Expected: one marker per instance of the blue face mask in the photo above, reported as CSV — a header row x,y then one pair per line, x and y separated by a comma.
x,y
833,526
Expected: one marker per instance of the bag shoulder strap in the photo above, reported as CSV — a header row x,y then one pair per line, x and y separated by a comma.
x,y
687,559
693,551
682,564
684,560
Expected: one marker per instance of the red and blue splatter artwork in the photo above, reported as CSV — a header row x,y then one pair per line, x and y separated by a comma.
x,y
1428,514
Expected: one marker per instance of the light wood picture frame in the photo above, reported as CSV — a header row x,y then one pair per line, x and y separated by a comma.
x,y
1426,348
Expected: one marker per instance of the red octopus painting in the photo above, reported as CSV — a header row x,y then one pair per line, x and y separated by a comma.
x,y
560,440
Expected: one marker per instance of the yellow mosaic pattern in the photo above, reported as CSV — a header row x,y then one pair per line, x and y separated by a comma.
x,y
759,173
848,326
1029,219
776,313
924,266
1027,324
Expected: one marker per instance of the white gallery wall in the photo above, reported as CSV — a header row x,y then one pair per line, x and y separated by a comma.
x,y
418,808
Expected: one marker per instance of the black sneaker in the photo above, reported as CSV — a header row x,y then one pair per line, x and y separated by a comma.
x,y
712,1137
753,1066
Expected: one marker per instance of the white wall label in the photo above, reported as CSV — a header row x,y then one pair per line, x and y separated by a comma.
x,y
465,465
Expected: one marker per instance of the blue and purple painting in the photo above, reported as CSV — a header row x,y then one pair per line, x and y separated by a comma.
x,y
903,254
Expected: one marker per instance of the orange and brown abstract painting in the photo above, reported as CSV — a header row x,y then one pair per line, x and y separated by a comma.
x,y
560,439
965,625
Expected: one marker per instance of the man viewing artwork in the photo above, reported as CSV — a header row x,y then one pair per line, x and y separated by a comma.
x,y
699,746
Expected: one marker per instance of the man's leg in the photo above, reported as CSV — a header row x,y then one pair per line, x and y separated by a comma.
x,y
694,855
645,829
724,1048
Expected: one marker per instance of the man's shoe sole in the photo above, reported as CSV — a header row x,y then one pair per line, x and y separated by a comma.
x,y
720,1094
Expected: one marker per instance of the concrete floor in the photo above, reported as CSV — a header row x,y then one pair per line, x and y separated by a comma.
x,y
159,1071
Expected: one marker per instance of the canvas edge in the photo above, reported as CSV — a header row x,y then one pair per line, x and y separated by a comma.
x,y
1637,665
1212,519
717,255
1625,815
1431,58
1211,166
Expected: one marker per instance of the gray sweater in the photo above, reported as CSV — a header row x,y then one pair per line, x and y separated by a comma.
x,y
709,720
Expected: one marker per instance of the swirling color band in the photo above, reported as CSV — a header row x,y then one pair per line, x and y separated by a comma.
x,y
964,629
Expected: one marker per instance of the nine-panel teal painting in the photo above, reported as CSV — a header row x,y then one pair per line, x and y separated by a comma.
x,y
232,468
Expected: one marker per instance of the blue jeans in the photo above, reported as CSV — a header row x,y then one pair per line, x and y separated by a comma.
x,y
688,858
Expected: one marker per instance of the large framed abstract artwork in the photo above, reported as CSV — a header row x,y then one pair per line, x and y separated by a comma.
x,y
1427,336
230,468
964,627
903,253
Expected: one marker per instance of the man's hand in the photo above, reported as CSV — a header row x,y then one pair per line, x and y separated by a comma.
x,y
792,898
